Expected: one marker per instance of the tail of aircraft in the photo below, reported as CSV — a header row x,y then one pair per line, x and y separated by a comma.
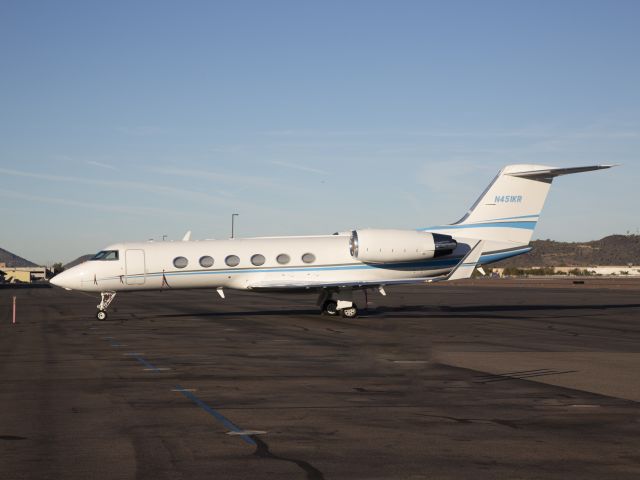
x,y
508,210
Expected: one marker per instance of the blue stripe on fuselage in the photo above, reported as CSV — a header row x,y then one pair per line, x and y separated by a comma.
x,y
527,225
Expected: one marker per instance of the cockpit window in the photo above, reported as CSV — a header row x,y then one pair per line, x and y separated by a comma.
x,y
106,255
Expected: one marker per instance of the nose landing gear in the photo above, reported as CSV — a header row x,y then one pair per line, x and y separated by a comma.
x,y
105,300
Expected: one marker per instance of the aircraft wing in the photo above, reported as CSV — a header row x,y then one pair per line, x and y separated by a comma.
x,y
464,269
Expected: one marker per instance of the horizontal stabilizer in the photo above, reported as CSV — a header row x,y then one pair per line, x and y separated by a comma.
x,y
548,174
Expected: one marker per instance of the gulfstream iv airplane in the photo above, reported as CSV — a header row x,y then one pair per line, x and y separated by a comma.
x,y
498,226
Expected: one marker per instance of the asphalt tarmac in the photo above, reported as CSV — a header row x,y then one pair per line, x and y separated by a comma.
x,y
474,380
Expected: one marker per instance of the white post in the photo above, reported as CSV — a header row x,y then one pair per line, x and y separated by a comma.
x,y
233,218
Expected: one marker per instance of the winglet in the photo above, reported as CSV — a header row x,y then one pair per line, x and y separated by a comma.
x,y
468,264
187,236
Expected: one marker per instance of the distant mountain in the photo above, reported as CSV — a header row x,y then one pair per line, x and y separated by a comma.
x,y
611,250
78,260
12,260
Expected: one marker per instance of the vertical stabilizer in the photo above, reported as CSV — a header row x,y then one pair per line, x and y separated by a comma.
x,y
509,209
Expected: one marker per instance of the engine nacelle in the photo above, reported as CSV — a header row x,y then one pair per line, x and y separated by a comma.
x,y
387,246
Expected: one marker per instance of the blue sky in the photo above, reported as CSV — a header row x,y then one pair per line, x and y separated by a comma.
x,y
130,120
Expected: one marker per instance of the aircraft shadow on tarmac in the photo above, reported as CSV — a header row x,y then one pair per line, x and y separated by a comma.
x,y
244,313
491,311
416,310
503,308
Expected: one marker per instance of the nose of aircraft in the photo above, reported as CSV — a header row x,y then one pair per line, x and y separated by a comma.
x,y
69,279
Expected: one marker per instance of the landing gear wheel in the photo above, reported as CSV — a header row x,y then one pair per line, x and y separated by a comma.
x,y
330,307
105,300
351,312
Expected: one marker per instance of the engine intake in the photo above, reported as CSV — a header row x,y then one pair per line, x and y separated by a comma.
x,y
386,246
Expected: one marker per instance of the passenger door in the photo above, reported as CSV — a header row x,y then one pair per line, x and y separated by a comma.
x,y
135,268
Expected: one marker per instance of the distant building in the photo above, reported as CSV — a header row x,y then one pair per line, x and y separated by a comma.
x,y
22,274
605,270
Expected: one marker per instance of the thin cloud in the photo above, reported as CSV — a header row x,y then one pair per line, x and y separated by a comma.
x,y
128,185
233,179
100,164
452,175
318,133
228,149
124,209
238,185
140,130
547,132
302,168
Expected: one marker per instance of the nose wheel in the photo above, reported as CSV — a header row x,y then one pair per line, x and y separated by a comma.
x,y
105,300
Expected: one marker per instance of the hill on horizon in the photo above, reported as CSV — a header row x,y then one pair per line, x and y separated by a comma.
x,y
78,261
611,250
13,260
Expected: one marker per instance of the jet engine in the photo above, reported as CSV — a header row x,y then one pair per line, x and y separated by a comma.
x,y
387,246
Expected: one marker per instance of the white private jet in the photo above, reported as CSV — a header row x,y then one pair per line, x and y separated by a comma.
x,y
498,226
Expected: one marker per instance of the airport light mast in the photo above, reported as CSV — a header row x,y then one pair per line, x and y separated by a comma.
x,y
233,218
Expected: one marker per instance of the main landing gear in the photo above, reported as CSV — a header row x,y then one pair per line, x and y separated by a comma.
x,y
330,307
342,304
105,300
350,312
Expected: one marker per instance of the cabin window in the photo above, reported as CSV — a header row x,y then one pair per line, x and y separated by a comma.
x,y
308,258
258,259
106,255
283,259
180,262
206,261
232,260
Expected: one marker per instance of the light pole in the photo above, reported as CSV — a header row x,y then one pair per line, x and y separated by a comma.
x,y
233,218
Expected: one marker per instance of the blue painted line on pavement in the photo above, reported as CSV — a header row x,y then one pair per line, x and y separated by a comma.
x,y
215,414
210,410
145,363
